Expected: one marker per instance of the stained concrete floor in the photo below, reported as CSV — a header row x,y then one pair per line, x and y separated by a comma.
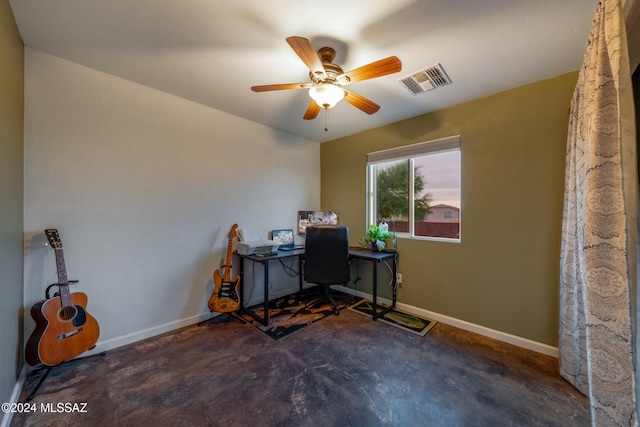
x,y
341,371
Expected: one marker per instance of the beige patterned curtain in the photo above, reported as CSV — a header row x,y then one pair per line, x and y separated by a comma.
x,y
598,254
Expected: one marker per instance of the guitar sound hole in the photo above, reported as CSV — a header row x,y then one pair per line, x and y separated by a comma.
x,y
67,313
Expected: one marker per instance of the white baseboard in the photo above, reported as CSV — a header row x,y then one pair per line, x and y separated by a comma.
x,y
471,327
116,342
467,326
17,389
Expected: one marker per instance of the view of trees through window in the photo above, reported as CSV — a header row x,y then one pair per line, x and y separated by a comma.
x,y
429,184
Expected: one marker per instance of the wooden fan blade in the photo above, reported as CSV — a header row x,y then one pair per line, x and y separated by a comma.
x,y
360,102
379,68
312,111
302,47
285,86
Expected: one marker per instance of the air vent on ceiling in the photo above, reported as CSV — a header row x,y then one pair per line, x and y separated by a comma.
x,y
426,80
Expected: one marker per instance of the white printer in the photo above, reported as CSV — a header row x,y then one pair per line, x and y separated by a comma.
x,y
249,243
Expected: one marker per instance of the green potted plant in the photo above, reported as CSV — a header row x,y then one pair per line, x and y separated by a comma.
x,y
375,237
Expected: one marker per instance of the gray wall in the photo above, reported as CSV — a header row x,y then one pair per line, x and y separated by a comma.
x,y
143,187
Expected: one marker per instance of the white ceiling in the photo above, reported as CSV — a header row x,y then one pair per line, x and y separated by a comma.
x,y
213,51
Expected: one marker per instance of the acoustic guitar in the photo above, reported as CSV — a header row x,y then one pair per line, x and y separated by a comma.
x,y
225,291
64,329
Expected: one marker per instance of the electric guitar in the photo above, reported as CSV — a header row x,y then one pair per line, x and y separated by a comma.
x,y
64,329
225,291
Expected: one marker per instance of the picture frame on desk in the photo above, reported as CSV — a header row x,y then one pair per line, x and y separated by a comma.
x,y
307,218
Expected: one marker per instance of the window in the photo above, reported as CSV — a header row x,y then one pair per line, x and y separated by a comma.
x,y
416,188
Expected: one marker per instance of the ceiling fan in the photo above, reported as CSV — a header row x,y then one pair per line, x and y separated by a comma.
x,y
328,80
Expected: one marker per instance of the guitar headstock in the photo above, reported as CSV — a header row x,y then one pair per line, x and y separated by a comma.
x,y
53,237
232,232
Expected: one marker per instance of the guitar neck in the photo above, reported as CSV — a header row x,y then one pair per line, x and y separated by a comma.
x,y
62,269
63,281
227,262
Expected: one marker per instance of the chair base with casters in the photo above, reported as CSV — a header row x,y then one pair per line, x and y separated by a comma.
x,y
326,259
322,293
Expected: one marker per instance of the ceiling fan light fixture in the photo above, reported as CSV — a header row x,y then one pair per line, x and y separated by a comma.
x,y
326,95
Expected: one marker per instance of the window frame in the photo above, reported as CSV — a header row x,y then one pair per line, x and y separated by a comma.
x,y
409,152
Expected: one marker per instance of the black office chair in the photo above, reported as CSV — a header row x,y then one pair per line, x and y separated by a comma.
x,y
326,259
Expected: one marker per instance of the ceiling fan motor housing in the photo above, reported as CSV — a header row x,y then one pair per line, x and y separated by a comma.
x,y
332,71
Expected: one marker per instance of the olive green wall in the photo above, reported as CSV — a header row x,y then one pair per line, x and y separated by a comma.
x,y
504,274
11,194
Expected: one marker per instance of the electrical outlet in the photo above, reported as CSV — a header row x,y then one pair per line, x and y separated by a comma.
x,y
399,278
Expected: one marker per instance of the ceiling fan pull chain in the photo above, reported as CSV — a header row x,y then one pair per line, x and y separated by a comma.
x,y
326,119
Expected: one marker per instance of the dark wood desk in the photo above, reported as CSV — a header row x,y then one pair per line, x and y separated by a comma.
x,y
355,253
